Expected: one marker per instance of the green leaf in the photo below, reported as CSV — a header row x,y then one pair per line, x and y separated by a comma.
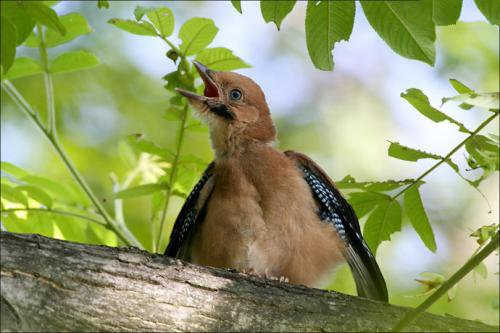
x,y
420,102
140,190
446,12
163,19
483,153
275,11
349,182
32,40
483,100
138,142
173,114
382,223
414,208
127,154
16,14
365,202
490,10
23,67
431,280
157,202
57,189
481,270
75,25
494,137
484,233
12,194
140,11
176,79
136,28
190,159
327,22
406,26
8,43
409,154
73,61
12,169
102,4
453,165
452,293
237,5
44,15
220,59
460,87
51,3
196,34
37,194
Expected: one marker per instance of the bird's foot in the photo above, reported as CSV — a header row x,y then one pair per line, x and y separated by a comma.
x,y
253,272
280,279
250,271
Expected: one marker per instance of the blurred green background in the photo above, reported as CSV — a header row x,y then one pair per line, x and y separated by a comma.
x,y
342,119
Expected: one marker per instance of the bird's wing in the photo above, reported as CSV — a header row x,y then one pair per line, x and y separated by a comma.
x,y
190,215
335,209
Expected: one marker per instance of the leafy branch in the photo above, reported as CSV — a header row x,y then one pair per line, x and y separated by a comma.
x,y
386,216
446,158
475,260
386,213
408,28
70,61
120,230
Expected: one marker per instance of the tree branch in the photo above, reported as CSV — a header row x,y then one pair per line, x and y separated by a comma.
x,y
53,285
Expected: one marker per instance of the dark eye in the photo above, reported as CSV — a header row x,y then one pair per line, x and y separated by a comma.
x,y
235,95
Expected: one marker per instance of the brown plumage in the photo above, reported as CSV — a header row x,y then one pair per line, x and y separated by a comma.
x,y
262,211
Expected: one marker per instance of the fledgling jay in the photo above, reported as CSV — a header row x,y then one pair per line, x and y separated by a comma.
x,y
262,211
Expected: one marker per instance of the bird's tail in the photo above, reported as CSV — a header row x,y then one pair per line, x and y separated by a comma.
x,y
369,280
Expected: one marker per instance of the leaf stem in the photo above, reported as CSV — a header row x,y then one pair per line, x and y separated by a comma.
x,y
121,230
178,51
180,139
448,284
173,173
447,157
54,211
51,132
49,87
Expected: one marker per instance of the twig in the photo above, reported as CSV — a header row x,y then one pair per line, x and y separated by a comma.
x,y
53,211
447,157
447,285
121,231
180,139
173,174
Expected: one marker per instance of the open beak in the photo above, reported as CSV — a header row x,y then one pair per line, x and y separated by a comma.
x,y
211,90
211,95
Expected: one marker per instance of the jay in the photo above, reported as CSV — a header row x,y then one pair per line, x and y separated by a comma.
x,y
262,211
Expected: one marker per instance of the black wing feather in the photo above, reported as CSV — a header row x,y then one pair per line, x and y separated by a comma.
x,y
185,222
335,209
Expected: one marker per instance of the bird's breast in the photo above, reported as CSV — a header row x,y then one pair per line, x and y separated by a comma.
x,y
261,217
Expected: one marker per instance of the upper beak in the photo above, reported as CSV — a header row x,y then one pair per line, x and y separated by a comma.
x,y
211,89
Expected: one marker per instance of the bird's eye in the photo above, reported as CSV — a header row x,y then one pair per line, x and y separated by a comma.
x,y
235,95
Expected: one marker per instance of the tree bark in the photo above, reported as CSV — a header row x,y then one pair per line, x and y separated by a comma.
x,y
53,285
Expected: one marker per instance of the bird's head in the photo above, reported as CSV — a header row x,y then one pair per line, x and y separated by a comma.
x,y
234,107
